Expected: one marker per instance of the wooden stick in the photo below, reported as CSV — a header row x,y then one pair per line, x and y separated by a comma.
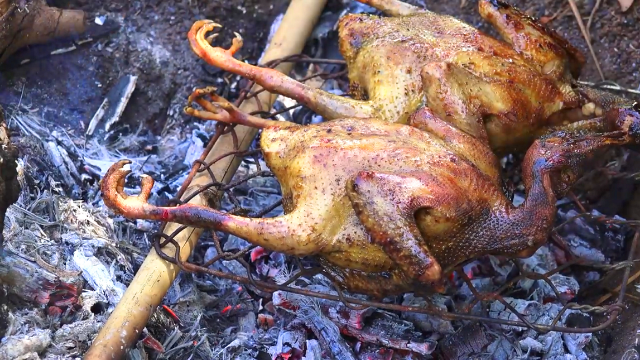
x,y
150,285
35,23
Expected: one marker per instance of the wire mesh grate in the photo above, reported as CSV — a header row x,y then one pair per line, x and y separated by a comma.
x,y
516,318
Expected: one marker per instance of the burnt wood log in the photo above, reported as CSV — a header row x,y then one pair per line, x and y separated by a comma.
x,y
9,184
31,22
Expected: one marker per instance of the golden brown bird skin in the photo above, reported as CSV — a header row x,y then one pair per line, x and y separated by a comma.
x,y
386,207
504,93
390,208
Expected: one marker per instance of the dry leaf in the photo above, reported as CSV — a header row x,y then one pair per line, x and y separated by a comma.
x,y
625,4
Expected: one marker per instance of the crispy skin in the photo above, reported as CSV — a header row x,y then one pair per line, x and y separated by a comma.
x,y
391,195
387,208
504,93
481,85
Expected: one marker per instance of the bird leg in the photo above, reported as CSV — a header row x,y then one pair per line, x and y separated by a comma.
x,y
328,105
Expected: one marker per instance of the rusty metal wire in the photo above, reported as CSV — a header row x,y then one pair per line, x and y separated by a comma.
x,y
609,312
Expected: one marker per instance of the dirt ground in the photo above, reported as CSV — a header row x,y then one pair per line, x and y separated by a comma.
x,y
152,44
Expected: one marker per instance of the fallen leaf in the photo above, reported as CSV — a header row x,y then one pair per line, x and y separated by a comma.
x,y
625,4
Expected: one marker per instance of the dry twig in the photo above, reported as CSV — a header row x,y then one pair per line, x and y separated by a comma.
x,y
586,35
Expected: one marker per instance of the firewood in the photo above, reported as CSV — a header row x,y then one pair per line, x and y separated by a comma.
x,y
9,184
31,22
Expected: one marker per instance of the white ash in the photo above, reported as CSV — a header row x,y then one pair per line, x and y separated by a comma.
x,y
501,349
314,350
290,343
24,321
567,287
245,335
555,343
529,344
591,240
98,275
575,343
29,356
578,225
591,277
217,283
533,311
52,226
234,243
368,324
483,285
69,336
18,345
228,266
60,159
89,298
183,290
146,225
198,143
255,194
179,342
541,262
502,268
583,250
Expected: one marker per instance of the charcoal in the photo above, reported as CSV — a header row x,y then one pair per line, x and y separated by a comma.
x,y
567,287
328,334
542,261
18,345
380,327
583,249
470,339
334,310
554,346
503,269
234,243
318,328
388,330
427,322
313,350
501,349
482,285
575,343
533,311
578,226
529,344
290,344
229,266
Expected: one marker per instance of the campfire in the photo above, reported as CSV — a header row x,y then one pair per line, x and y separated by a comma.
x,y
69,262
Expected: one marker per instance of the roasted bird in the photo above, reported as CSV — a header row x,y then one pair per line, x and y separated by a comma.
x,y
390,208
386,208
506,93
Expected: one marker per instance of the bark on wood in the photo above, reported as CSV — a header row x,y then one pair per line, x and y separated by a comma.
x,y
9,185
30,22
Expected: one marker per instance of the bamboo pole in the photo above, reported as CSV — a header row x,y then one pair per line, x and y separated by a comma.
x,y
152,281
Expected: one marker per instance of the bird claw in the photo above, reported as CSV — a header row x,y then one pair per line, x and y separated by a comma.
x,y
216,108
199,32
200,94
114,196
